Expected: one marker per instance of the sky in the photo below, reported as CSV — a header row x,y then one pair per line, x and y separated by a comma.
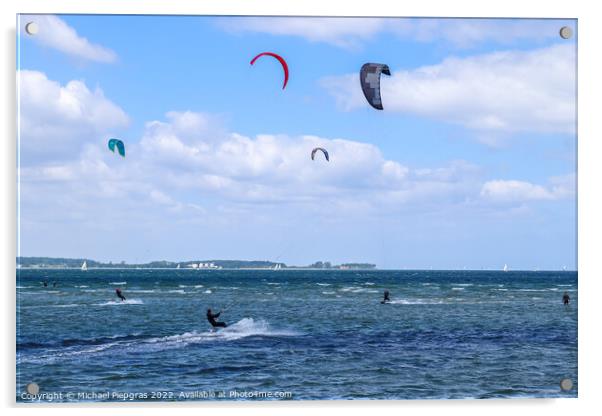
x,y
471,164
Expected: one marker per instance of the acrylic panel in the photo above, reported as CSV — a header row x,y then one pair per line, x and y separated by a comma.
x,y
295,208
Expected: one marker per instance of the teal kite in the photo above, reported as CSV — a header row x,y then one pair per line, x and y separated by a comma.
x,y
119,144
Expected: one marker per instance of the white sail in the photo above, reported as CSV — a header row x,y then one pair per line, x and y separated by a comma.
x,y
84,266
178,266
505,267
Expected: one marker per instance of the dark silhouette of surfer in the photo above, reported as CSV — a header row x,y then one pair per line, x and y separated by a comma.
x,y
119,294
386,298
45,283
566,298
211,318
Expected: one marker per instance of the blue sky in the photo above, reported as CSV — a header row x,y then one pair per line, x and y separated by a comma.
x,y
471,164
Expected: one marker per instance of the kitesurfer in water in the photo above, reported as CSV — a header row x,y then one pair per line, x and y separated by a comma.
x,y
211,318
566,298
45,283
386,297
119,294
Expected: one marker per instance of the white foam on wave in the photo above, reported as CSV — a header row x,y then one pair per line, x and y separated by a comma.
x,y
273,283
246,327
118,283
141,291
457,288
66,353
121,302
465,284
68,305
328,293
198,286
24,287
180,291
369,283
323,284
208,291
357,289
416,302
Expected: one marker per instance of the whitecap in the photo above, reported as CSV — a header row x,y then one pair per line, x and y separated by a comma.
x,y
118,283
120,302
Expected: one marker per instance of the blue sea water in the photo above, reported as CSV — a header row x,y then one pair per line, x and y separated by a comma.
x,y
297,335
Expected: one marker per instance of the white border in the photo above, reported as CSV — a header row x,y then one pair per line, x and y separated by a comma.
x,y
590,180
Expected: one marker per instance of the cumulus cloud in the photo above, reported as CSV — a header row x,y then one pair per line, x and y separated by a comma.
x,y
352,33
508,91
520,191
57,34
59,119
190,167
277,168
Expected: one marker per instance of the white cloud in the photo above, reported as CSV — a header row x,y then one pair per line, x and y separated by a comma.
x,y
182,169
521,191
509,91
57,120
57,34
352,32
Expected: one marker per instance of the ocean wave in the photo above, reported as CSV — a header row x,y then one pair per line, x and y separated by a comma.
x,y
457,288
323,284
118,283
208,291
356,289
198,286
71,349
121,302
141,291
180,291
246,327
416,302
329,293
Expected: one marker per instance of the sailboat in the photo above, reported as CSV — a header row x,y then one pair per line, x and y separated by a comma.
x,y
505,267
277,266
84,266
178,266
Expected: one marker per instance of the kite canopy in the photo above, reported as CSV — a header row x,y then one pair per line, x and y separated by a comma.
x,y
280,59
313,153
370,80
119,144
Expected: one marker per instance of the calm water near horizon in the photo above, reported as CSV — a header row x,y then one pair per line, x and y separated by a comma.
x,y
308,333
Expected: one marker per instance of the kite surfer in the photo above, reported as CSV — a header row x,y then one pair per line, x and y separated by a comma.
x,y
211,318
386,298
566,298
119,294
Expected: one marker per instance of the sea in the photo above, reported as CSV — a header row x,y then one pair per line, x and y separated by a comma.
x,y
294,335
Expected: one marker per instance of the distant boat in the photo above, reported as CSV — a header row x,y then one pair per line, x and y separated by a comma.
x,y
505,267
84,266
277,266
178,266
